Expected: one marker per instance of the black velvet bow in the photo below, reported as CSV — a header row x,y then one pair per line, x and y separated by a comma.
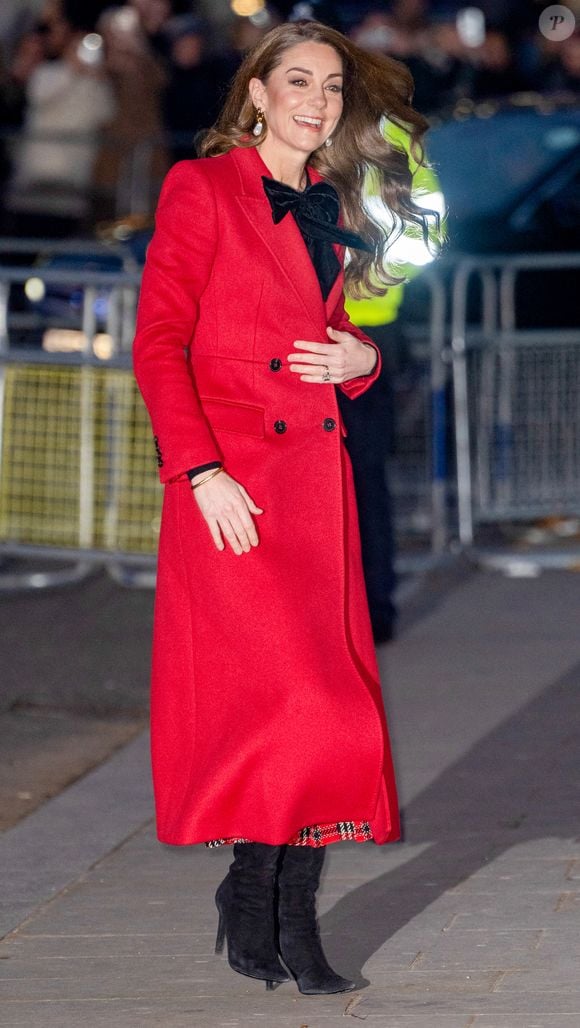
x,y
316,211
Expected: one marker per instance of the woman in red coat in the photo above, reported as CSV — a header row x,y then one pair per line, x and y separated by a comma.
x,y
268,729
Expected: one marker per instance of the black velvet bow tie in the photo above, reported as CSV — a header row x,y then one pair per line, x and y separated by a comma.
x,y
316,212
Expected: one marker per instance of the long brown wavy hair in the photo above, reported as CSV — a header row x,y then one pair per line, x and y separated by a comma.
x,y
375,87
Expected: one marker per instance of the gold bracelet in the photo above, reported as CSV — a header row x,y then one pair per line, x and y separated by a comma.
x,y
210,474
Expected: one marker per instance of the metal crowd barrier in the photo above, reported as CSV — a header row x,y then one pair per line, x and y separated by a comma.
x,y
87,247
516,408
78,481
418,471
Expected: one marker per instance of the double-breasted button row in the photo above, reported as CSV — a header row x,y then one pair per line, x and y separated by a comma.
x,y
158,452
275,364
329,425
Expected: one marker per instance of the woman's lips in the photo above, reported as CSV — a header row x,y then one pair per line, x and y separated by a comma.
x,y
307,122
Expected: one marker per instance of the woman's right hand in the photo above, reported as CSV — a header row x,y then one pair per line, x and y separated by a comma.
x,y
227,509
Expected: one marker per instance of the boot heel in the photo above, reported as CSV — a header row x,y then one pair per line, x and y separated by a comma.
x,y
221,934
245,905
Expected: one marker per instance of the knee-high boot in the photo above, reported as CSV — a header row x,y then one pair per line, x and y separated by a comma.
x,y
246,904
299,938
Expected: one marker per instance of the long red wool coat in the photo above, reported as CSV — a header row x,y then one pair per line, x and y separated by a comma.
x,y
267,714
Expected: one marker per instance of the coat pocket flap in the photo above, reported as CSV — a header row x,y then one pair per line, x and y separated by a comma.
x,y
230,416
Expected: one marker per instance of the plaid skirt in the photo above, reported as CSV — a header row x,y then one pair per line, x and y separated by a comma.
x,y
318,835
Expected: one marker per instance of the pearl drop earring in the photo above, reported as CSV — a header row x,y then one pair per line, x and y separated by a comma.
x,y
257,129
328,142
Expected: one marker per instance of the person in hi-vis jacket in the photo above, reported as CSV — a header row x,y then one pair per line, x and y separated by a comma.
x,y
371,421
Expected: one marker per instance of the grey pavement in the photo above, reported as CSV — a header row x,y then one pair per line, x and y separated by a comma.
x,y
472,922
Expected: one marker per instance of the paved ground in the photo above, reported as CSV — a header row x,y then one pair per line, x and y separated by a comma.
x,y
74,684
472,922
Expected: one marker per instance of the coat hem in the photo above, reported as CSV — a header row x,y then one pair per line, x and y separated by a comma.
x,y
379,829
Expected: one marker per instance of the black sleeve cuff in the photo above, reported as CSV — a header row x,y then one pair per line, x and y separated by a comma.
x,y
202,467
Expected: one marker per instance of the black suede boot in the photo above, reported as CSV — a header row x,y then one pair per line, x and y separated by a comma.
x,y
246,904
300,945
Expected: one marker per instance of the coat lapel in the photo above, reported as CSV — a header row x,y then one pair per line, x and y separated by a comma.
x,y
284,241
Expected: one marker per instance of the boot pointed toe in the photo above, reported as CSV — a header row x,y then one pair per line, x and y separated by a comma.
x,y
300,945
324,985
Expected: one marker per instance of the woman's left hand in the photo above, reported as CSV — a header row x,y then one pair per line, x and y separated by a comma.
x,y
345,358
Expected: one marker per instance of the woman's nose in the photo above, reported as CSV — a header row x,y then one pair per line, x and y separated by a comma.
x,y
318,98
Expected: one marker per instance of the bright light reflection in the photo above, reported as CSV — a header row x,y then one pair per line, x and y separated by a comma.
x,y
35,290
70,340
247,8
409,248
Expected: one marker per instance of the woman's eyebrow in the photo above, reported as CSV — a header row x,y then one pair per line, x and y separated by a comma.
x,y
305,71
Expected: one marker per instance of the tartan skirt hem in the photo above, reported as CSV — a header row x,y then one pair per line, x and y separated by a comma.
x,y
317,835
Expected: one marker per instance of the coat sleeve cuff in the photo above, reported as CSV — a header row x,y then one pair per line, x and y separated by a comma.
x,y
177,468
202,467
356,386
341,321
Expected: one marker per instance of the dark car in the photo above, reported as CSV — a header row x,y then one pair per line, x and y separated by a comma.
x,y
511,179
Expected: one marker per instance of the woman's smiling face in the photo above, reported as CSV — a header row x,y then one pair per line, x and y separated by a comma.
x,y
302,98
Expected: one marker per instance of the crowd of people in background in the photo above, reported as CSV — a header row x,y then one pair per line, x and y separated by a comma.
x,y
93,93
